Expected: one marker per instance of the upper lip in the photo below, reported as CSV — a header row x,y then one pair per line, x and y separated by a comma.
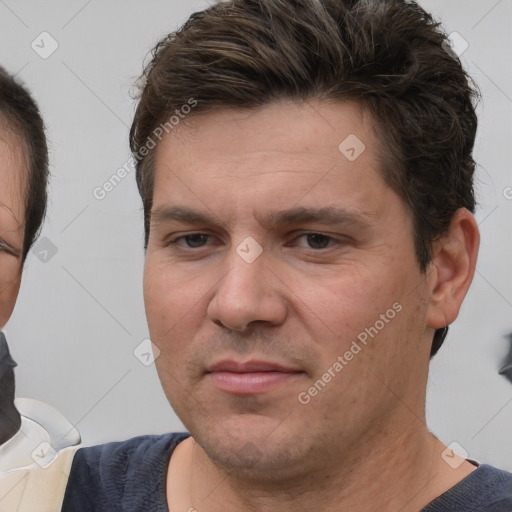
x,y
229,365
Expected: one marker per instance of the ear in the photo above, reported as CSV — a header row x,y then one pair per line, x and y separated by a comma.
x,y
452,269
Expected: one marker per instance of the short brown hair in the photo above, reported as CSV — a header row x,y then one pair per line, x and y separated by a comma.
x,y
22,116
390,55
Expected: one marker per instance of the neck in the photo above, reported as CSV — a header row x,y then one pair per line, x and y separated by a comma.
x,y
10,422
397,468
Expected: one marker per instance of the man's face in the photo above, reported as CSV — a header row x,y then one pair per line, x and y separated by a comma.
x,y
11,221
231,184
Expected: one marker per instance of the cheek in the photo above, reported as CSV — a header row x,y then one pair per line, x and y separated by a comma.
x,y
344,303
173,301
10,280
363,315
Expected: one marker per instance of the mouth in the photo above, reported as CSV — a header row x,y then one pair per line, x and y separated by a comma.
x,y
251,377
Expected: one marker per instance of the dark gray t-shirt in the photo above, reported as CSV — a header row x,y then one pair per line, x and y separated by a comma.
x,y
130,476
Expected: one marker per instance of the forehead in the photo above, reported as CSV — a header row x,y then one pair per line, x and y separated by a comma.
x,y
316,151
12,178
280,127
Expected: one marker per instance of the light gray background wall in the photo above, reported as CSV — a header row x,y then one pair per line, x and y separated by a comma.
x,y
80,313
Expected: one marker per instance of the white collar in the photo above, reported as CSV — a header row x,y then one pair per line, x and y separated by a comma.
x,y
24,449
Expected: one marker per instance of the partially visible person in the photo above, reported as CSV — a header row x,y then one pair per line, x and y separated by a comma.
x,y
31,432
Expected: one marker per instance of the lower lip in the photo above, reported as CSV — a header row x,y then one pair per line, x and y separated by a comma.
x,y
251,383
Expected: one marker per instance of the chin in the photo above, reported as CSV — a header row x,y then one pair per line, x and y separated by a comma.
x,y
249,444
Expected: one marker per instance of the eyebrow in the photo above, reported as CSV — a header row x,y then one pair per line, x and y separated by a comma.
x,y
13,251
298,215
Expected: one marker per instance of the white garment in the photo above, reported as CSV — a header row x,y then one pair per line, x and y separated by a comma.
x,y
37,489
35,462
44,432
29,447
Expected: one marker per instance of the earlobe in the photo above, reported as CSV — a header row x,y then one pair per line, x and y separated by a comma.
x,y
452,268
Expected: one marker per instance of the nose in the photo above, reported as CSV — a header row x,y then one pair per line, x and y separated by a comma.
x,y
249,293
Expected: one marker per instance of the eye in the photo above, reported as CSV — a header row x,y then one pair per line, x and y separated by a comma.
x,y
192,241
9,249
316,241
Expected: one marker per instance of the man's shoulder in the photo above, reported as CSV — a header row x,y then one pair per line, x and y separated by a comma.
x,y
121,474
487,489
497,483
